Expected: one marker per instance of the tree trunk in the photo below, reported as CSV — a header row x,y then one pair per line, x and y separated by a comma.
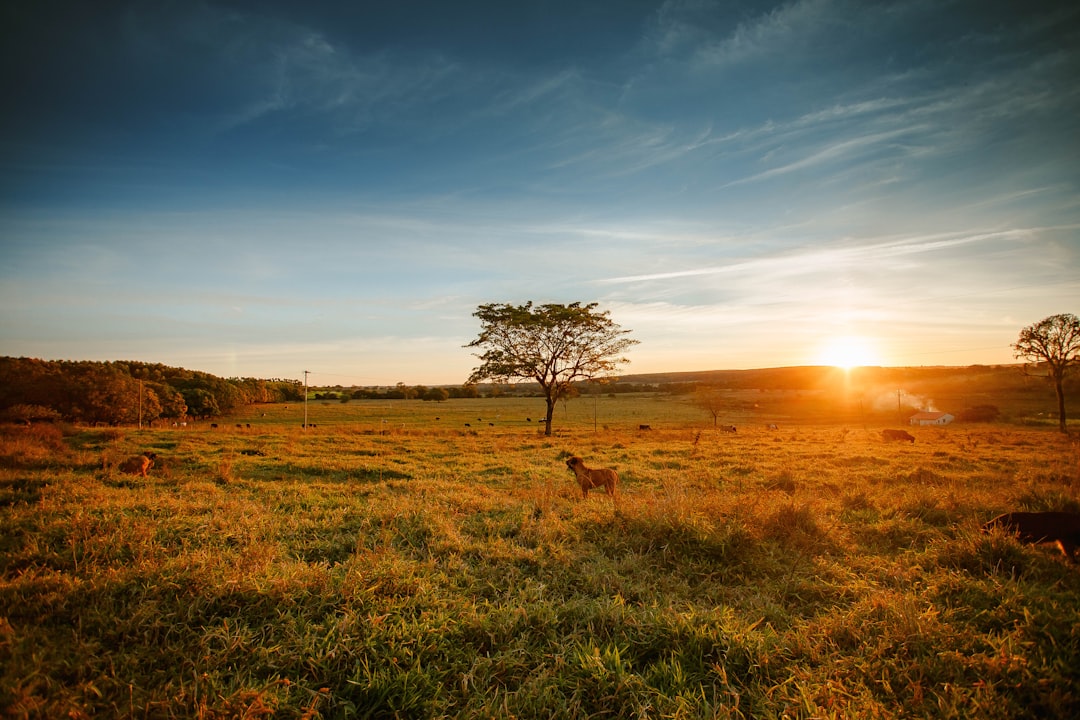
x,y
1058,386
550,413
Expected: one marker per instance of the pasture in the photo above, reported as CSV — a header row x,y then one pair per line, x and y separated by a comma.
x,y
392,562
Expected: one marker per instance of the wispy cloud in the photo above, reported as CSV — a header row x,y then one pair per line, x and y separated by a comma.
x,y
791,25
813,260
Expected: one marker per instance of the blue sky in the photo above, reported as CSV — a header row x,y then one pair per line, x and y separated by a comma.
x,y
259,189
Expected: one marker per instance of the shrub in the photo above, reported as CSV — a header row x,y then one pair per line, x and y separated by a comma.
x,y
27,414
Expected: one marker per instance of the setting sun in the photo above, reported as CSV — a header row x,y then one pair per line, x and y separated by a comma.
x,y
848,351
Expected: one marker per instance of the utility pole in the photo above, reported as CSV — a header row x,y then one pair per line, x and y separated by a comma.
x,y
305,399
140,404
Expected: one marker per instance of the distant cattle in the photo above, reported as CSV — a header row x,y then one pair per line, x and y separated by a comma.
x,y
728,428
772,426
1060,528
213,425
644,427
889,435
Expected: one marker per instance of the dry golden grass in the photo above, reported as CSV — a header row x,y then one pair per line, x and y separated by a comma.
x,y
421,570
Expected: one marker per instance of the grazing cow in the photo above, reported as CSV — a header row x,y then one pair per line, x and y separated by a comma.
x,y
139,464
1060,528
728,428
468,424
213,425
889,435
772,426
644,427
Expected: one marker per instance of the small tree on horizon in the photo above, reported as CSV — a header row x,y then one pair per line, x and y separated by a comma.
x,y
1054,340
552,344
711,401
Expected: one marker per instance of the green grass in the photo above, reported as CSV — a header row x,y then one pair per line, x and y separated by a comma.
x,y
387,564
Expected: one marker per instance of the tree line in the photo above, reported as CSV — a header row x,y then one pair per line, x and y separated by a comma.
x,y
401,391
120,393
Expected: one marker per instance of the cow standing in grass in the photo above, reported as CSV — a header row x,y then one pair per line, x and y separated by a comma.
x,y
589,478
139,464
1059,528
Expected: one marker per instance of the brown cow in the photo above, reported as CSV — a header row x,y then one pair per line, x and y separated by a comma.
x,y
139,464
894,435
1060,528
589,478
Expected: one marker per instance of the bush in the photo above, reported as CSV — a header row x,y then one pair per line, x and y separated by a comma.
x,y
27,414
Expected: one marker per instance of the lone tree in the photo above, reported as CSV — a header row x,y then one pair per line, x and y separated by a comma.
x,y
1055,341
711,401
551,344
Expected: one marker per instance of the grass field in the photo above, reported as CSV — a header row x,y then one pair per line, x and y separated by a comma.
x,y
386,563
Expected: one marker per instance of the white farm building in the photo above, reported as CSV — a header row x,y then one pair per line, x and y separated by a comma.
x,y
931,418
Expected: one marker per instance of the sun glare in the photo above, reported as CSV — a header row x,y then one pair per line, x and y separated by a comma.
x,y
848,351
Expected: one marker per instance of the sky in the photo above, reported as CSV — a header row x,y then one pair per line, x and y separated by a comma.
x,y
256,189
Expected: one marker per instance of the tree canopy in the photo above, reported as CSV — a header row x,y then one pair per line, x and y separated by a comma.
x,y
1055,341
552,344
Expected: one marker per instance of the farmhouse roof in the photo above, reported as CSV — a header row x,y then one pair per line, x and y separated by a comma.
x,y
928,415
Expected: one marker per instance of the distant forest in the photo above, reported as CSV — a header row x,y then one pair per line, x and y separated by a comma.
x,y
127,393
121,393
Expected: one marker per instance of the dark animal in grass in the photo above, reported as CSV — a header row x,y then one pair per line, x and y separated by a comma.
x,y
589,478
895,435
139,464
1059,528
